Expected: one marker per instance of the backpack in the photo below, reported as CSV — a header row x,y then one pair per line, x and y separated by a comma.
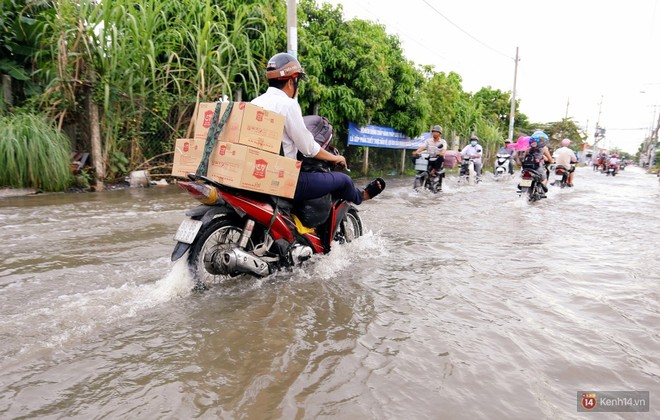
x,y
322,132
320,128
531,160
314,212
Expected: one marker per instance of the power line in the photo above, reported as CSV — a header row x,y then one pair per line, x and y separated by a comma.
x,y
467,33
405,35
400,32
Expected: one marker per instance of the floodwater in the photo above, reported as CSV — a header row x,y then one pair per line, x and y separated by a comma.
x,y
470,304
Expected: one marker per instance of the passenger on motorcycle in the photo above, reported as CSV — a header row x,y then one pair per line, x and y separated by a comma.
x,y
538,151
436,146
508,149
566,158
284,73
602,161
474,151
614,160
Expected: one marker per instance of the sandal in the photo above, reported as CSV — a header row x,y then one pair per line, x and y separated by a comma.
x,y
373,189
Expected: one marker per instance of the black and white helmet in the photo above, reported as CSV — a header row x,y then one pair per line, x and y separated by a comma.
x,y
284,66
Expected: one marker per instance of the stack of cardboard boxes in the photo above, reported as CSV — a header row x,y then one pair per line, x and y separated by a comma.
x,y
246,154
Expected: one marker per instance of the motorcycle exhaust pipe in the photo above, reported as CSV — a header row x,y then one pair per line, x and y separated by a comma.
x,y
239,261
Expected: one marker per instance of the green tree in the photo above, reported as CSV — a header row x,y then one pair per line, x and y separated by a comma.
x,y
566,128
20,25
444,92
357,73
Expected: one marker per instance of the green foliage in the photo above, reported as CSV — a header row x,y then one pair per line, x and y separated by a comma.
x,y
118,165
566,128
20,25
33,154
147,63
495,106
444,92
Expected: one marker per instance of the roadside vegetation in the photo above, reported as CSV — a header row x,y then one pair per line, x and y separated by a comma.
x,y
33,153
122,79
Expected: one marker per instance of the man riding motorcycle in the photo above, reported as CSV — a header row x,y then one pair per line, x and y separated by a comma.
x,y
284,73
614,161
436,147
474,151
566,158
508,149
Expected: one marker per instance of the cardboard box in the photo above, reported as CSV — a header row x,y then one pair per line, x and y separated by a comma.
x,y
247,168
248,124
226,164
203,119
187,155
287,174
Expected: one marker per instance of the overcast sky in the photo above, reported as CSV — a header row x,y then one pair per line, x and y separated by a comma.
x,y
571,53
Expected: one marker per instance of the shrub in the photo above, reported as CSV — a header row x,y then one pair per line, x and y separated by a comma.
x,y
33,154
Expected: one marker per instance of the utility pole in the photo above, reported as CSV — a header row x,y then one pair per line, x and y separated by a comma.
x,y
568,102
292,28
654,141
597,135
512,116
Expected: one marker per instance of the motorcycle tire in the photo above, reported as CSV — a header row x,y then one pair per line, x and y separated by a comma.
x,y
217,236
420,181
350,228
436,187
534,194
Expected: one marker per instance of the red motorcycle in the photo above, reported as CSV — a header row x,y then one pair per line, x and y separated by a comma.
x,y
240,232
236,232
612,169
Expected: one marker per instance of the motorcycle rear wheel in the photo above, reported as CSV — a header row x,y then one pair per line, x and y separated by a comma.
x,y
535,192
219,236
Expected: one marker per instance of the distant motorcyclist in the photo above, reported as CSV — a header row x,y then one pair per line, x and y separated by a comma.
x,y
614,161
508,149
436,147
565,157
474,151
602,161
539,154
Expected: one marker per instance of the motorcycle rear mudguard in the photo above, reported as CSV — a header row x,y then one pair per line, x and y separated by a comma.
x,y
204,213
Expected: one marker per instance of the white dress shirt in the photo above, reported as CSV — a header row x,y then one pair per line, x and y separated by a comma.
x,y
296,136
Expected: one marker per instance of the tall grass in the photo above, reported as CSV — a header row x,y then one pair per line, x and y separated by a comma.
x,y
33,154
146,63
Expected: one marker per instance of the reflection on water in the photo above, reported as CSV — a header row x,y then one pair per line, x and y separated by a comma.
x,y
468,304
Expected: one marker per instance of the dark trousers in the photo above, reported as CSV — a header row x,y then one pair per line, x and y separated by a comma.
x,y
317,184
437,164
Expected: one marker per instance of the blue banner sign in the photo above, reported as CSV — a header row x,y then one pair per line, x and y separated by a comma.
x,y
375,136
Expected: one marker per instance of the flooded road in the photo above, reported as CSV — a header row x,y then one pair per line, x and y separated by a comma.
x,y
470,304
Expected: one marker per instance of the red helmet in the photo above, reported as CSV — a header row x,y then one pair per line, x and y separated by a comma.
x,y
284,66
